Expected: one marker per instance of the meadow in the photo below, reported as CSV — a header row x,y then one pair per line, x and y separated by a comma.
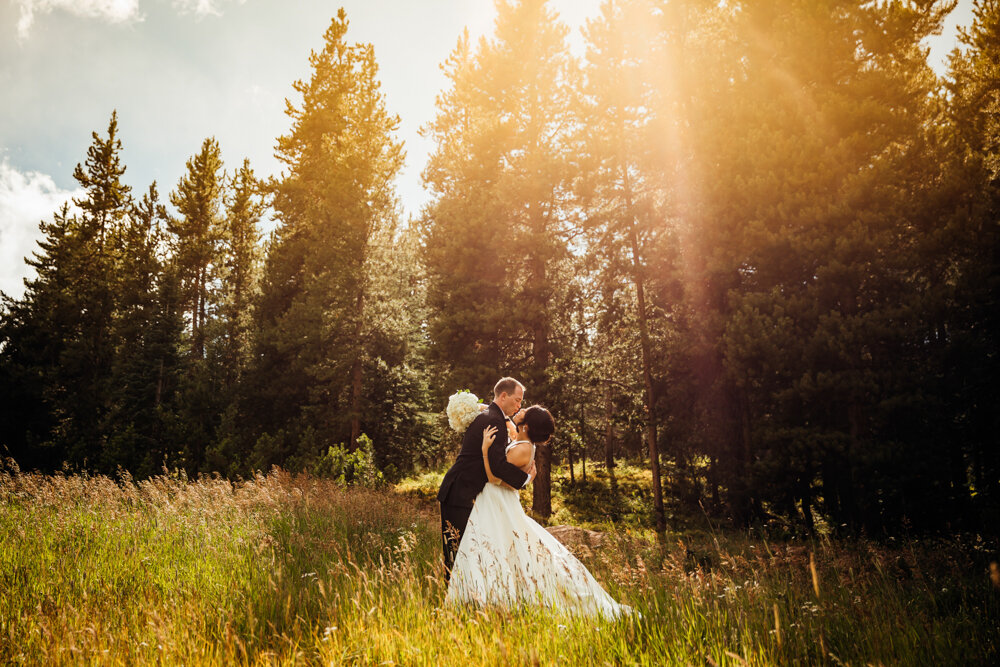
x,y
283,569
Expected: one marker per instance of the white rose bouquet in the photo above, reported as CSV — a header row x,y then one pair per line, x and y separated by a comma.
x,y
463,407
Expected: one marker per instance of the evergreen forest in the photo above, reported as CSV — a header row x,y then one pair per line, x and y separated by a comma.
x,y
752,246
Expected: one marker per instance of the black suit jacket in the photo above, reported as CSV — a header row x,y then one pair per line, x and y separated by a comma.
x,y
467,477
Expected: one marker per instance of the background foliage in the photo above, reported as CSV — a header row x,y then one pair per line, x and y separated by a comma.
x,y
755,242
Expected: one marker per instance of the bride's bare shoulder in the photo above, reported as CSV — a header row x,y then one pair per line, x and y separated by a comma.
x,y
519,454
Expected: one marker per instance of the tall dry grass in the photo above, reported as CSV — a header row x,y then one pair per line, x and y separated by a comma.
x,y
295,570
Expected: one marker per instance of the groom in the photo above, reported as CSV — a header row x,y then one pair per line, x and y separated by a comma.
x,y
467,477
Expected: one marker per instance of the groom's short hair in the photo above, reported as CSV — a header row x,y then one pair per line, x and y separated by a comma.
x,y
506,386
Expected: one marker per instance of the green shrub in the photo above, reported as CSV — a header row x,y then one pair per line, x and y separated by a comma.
x,y
347,467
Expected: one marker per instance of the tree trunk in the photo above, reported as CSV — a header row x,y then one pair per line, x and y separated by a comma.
x,y
741,496
830,486
746,431
541,494
198,321
647,374
159,384
236,322
713,481
847,497
356,383
609,439
541,500
194,315
204,308
807,510
569,455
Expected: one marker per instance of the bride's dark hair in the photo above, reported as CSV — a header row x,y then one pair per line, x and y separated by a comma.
x,y
540,423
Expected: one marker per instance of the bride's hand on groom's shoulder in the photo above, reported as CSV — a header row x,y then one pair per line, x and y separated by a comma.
x,y
489,435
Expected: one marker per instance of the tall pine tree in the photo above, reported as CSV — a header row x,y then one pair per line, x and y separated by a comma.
x,y
496,235
59,338
971,270
333,203
196,235
618,191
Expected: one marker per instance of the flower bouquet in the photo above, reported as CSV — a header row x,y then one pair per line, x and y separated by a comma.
x,y
463,407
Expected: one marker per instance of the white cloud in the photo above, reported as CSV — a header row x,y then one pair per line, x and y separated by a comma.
x,y
114,11
202,7
25,199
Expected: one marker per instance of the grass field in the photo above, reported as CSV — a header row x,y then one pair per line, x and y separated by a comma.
x,y
296,570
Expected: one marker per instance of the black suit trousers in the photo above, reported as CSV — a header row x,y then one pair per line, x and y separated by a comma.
x,y
453,522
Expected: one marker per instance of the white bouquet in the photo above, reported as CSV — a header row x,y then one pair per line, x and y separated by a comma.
x,y
463,407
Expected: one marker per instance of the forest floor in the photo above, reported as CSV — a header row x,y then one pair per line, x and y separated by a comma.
x,y
594,500
297,570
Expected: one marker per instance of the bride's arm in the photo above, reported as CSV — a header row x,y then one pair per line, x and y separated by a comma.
x,y
489,434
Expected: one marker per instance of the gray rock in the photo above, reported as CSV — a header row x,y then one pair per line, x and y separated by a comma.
x,y
575,536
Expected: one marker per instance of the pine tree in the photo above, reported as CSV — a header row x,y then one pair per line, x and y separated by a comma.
x,y
465,251
34,331
618,191
59,336
335,199
197,236
495,234
241,258
811,203
86,363
971,266
396,393
241,255
147,335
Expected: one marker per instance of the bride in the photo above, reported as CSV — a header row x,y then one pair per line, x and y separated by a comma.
x,y
506,558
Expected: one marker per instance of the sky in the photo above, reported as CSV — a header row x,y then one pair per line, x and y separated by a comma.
x,y
178,71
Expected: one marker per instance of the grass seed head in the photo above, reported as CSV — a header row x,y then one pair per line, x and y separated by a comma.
x,y
815,575
777,625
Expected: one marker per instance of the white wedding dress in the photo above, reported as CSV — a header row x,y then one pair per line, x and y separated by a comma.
x,y
505,558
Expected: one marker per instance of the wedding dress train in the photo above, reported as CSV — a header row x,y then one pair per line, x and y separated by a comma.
x,y
506,558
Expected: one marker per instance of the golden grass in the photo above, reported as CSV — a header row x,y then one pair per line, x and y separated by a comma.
x,y
295,570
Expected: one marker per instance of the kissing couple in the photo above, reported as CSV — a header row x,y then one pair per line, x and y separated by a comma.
x,y
494,553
